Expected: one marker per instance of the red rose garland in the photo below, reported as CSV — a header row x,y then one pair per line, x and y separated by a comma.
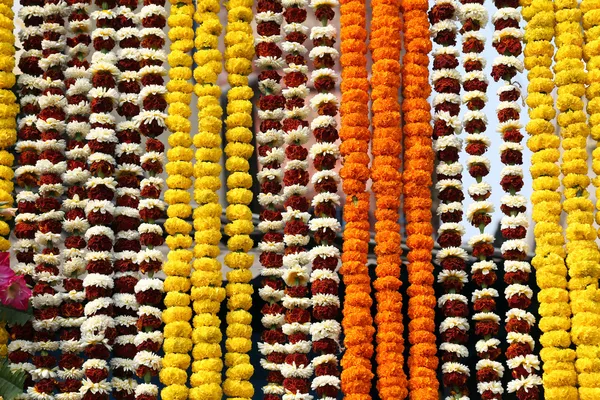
x,y
98,331
325,329
297,369
30,84
151,123
519,322
454,328
75,224
271,156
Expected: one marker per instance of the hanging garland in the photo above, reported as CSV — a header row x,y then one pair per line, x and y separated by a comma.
x,y
560,377
271,156
386,148
325,330
418,170
178,330
454,328
514,224
355,136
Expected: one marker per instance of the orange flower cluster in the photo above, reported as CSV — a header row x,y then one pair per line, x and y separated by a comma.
x,y
354,133
386,148
418,170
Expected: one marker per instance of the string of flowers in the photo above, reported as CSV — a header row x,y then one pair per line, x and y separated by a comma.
x,y
46,300
560,377
581,249
177,315
386,148
271,156
98,330
127,217
418,170
29,89
325,330
357,321
239,52
207,291
151,124
75,224
514,223
454,328
297,369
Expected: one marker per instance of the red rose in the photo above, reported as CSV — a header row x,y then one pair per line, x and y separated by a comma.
x,y
509,46
99,267
502,23
46,204
517,325
70,360
297,203
18,356
295,79
445,38
324,84
273,283
125,350
327,134
273,336
125,265
297,315
449,239
503,72
266,5
95,396
455,308
511,157
455,335
447,85
325,346
469,25
149,345
277,358
271,260
451,194
296,227
482,249
150,266
519,301
440,12
517,349
516,277
149,297
297,291
73,310
325,312
486,328
326,185
476,148
325,286
151,239
123,394
45,386
475,126
96,374
514,233
25,230
94,292
98,218
472,45
296,385
72,284
101,147
454,379
324,162
69,385
100,243
445,61
123,330
510,95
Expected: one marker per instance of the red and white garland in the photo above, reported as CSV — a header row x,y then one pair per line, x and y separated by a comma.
x,y
297,369
271,156
523,364
454,328
151,123
325,329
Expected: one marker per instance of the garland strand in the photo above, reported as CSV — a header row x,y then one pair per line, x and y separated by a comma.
x,y
177,315
207,293
239,52
271,156
418,170
297,369
514,224
454,328
582,251
355,136
326,330
560,377
385,45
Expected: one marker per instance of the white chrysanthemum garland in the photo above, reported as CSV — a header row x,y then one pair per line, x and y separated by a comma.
x,y
297,369
520,359
454,328
325,330
98,332
151,123
271,157
77,81
29,85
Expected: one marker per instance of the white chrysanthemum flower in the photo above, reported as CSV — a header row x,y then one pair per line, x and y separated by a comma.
x,y
451,297
454,322
458,349
526,383
454,367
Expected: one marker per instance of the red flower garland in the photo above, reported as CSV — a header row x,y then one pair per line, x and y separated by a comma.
x,y
270,155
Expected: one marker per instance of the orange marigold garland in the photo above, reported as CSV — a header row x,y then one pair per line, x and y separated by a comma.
x,y
354,133
418,170
386,147
454,328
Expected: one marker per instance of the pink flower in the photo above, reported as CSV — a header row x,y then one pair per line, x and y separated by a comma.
x,y
6,273
15,293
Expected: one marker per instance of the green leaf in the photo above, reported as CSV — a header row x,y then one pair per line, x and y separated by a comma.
x,y
11,383
15,317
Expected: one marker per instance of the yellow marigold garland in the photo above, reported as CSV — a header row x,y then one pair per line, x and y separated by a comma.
x,y
559,377
8,123
178,330
239,53
207,293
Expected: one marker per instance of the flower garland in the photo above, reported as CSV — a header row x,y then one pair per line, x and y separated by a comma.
x,y
560,377
271,155
207,293
177,316
127,217
514,224
418,170
355,136
75,224
239,51
151,124
98,330
29,87
454,328
326,330
46,299
387,185
297,369
581,248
